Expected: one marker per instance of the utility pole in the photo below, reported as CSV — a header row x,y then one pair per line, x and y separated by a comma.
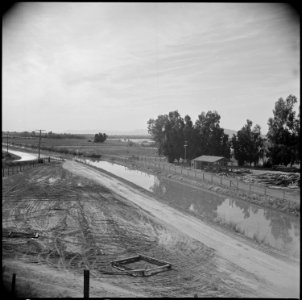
x,y
185,145
7,142
39,141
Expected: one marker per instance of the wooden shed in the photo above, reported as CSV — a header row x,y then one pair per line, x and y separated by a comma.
x,y
209,161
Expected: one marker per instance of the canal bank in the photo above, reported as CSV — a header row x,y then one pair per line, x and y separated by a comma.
x,y
269,274
263,226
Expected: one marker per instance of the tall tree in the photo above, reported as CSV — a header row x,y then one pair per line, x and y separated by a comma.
x,y
284,132
174,138
248,144
157,130
212,139
190,138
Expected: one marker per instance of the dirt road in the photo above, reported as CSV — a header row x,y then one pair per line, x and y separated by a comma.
x,y
264,274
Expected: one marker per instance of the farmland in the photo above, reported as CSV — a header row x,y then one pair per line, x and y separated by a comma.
x,y
115,147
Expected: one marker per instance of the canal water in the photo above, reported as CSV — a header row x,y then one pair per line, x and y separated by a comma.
x,y
263,225
24,156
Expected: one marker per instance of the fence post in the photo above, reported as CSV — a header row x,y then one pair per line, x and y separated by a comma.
x,y
86,283
14,284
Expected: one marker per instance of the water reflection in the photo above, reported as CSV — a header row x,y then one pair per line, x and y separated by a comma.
x,y
263,225
141,179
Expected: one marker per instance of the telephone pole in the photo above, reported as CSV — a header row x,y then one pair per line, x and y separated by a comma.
x,y
185,145
39,141
7,142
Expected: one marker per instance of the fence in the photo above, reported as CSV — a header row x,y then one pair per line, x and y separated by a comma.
x,y
250,188
17,167
161,163
86,285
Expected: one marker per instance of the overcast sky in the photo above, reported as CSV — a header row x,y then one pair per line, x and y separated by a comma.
x,y
115,65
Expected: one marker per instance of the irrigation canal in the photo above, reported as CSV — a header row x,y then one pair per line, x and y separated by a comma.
x,y
263,225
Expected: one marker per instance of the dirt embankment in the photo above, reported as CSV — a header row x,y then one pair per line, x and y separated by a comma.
x,y
250,267
83,225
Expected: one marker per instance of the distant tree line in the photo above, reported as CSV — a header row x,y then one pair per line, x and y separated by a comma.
x,y
49,134
280,146
100,137
52,135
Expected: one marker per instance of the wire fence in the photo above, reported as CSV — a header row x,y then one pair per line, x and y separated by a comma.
x,y
161,163
17,167
224,181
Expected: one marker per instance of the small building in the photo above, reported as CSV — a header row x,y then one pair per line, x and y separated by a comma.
x,y
209,162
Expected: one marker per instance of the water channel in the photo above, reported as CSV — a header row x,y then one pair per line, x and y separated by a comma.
x,y
24,156
263,225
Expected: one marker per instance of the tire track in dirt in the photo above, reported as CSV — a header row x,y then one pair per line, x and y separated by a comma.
x,y
265,274
86,224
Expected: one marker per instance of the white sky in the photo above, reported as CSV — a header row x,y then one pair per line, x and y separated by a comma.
x,y
115,65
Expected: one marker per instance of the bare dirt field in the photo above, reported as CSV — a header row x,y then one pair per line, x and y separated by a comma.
x,y
83,225
85,219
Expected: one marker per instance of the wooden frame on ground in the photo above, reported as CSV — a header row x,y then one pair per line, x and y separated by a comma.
x,y
160,266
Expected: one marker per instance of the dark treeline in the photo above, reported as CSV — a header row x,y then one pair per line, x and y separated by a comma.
x,y
50,134
280,146
171,132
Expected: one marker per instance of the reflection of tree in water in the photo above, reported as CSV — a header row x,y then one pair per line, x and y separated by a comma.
x,y
281,224
205,204
158,188
245,208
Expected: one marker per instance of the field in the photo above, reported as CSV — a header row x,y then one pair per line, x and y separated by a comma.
x,y
114,147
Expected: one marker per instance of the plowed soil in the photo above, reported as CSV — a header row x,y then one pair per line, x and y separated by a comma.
x,y
86,219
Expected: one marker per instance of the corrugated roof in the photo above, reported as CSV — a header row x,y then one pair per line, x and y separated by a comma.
x,y
208,158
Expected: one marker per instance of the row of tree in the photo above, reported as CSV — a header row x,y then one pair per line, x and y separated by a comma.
x,y
172,134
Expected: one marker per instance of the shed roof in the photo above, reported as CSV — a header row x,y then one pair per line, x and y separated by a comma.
x,y
208,158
